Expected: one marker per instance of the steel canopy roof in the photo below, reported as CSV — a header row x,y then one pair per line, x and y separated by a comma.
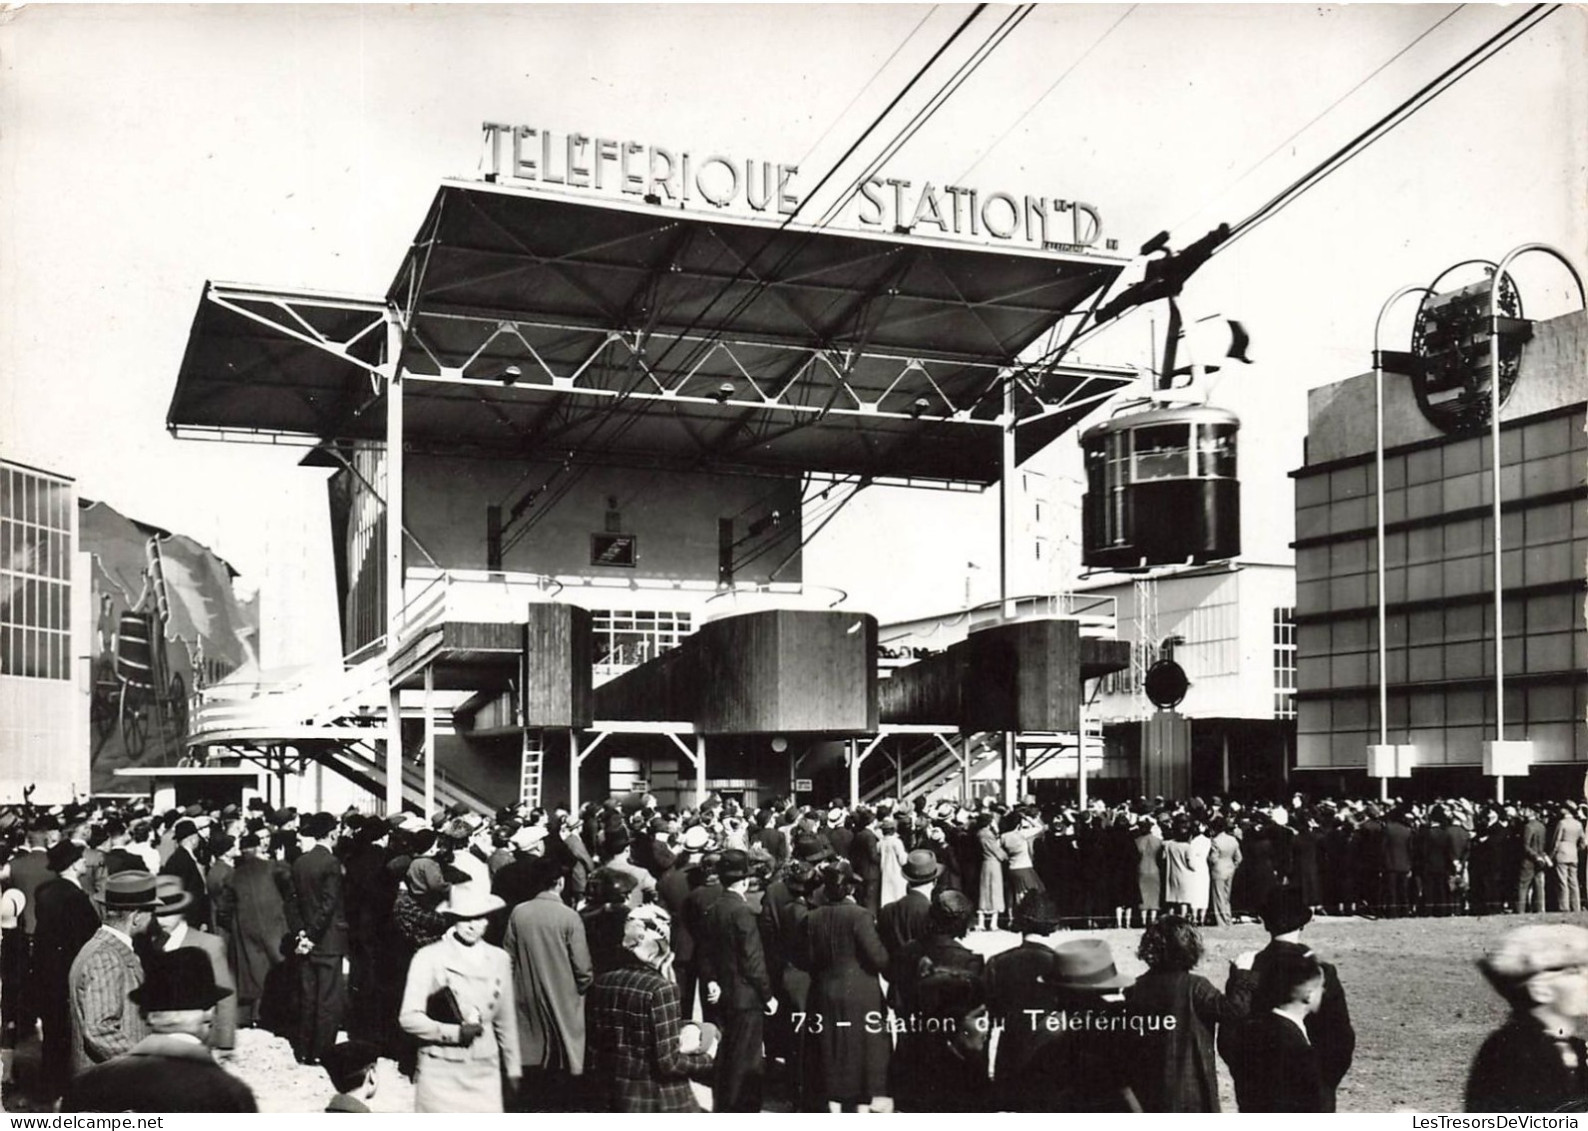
x,y
590,330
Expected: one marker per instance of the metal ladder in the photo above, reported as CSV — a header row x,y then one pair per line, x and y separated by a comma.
x,y
530,767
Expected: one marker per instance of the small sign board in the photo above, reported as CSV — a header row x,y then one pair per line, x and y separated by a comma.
x,y
612,550
803,785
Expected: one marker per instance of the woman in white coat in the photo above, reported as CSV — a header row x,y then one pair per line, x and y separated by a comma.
x,y
458,1004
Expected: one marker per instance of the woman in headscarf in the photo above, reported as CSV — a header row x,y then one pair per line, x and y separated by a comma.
x,y
605,916
458,1004
638,1049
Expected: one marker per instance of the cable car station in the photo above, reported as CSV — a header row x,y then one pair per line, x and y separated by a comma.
x,y
601,422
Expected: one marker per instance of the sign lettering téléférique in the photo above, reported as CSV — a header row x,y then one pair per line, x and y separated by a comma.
x,y
658,174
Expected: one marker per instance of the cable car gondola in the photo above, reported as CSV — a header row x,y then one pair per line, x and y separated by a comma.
x,y
1161,489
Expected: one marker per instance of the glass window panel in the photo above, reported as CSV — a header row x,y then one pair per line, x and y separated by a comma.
x,y
1544,476
1466,708
1423,500
1551,523
1546,564
1349,482
1426,665
1464,661
5,492
1549,704
1216,450
1463,576
1423,583
1463,622
1426,626
1549,653
1462,492
1312,490
1465,538
1348,557
1425,544
1547,437
1425,466
1161,452
1463,457
1350,635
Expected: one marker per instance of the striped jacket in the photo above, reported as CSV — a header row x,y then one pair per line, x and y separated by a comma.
x,y
105,1021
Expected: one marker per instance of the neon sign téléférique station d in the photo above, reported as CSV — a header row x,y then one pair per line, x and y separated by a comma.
x,y
658,174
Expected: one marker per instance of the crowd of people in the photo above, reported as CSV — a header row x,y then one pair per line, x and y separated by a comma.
x,y
632,958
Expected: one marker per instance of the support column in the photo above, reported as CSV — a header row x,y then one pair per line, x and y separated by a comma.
x,y
898,776
964,768
1006,499
1224,764
394,554
700,770
430,741
574,762
1008,767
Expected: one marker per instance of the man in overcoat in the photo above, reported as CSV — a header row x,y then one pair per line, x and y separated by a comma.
x,y
733,970
323,939
551,972
67,920
175,933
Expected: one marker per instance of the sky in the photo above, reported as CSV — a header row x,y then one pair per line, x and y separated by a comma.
x,y
147,149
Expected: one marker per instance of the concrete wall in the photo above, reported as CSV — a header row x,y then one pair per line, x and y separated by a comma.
x,y
1340,417
673,516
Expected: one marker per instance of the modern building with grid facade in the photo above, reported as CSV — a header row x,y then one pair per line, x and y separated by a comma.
x,y
1439,578
43,639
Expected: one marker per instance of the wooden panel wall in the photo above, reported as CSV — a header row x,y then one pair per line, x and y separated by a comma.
x,y
929,691
557,650
760,673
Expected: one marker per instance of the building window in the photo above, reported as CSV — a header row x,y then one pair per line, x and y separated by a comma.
x,y
1285,663
35,575
625,638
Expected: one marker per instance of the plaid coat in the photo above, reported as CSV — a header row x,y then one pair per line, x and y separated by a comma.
x,y
633,1018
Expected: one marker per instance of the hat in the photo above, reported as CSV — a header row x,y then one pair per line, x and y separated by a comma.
x,y
1535,949
424,877
349,1060
62,855
470,901
813,850
221,844
178,979
733,866
1037,914
183,829
281,818
172,897
128,891
697,838
1085,964
317,825
921,865
1284,911
528,837
835,815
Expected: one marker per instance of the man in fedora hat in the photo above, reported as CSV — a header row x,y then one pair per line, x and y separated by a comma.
x,y
170,1069
183,863
171,931
1329,1029
733,970
906,919
67,920
1078,1058
105,1022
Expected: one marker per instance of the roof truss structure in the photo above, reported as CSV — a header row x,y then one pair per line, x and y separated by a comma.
x,y
538,325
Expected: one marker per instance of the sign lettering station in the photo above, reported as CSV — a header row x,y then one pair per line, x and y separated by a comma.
x,y
660,175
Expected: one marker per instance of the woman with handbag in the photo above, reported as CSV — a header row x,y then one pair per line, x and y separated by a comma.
x,y
458,1004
